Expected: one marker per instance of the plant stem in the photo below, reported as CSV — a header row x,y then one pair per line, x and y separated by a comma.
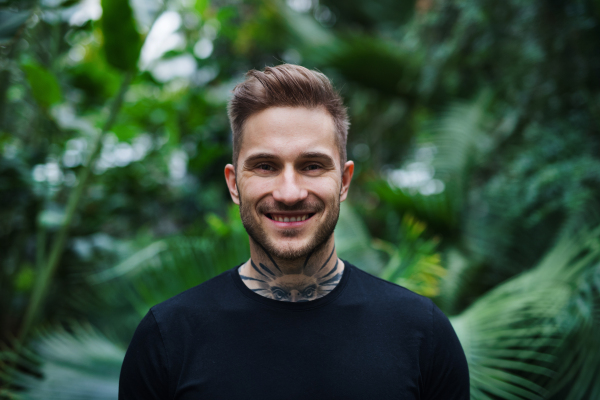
x,y
46,274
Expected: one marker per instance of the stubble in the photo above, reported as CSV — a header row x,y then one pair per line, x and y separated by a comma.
x,y
290,252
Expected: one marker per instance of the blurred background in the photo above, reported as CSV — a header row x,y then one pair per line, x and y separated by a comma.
x,y
475,133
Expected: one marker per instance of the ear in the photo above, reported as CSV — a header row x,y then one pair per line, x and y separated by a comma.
x,y
346,178
231,183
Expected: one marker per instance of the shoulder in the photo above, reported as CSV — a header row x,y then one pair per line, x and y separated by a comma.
x,y
384,291
198,299
394,304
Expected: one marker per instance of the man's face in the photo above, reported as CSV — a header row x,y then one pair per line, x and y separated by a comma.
x,y
289,181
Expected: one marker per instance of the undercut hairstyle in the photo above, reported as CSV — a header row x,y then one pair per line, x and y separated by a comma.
x,y
286,85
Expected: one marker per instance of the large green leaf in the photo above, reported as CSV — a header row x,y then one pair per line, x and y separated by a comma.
x,y
186,260
80,364
44,85
122,41
377,64
414,262
92,360
514,336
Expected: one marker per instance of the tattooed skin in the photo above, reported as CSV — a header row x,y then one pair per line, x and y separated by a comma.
x,y
313,282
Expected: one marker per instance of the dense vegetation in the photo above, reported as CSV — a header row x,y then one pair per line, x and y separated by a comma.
x,y
475,131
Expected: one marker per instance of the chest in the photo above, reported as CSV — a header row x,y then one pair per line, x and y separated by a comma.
x,y
353,356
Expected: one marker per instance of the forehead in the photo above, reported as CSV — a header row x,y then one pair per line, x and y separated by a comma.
x,y
289,131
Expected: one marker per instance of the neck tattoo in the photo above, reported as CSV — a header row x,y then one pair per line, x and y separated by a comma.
x,y
314,280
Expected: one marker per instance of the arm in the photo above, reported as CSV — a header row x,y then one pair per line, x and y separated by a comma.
x,y
447,374
144,373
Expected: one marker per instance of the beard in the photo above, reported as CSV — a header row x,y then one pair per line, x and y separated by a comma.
x,y
290,252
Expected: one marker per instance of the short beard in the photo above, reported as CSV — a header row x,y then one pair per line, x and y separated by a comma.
x,y
321,237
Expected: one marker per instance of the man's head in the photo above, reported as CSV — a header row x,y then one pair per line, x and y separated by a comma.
x,y
285,85
290,175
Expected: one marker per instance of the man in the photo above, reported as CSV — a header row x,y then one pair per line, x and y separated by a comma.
x,y
294,321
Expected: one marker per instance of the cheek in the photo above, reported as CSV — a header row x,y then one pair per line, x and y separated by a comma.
x,y
327,187
254,189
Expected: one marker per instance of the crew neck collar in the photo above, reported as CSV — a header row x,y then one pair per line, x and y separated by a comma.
x,y
328,298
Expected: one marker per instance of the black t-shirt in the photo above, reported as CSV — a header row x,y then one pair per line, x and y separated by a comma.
x,y
367,339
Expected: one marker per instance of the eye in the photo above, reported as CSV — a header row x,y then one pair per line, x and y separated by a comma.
x,y
312,167
309,293
279,294
264,167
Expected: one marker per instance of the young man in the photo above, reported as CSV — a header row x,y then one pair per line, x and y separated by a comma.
x,y
294,321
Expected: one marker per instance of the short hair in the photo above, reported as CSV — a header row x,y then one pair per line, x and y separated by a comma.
x,y
286,85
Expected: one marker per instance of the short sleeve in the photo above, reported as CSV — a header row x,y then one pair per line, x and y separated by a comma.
x,y
144,373
447,373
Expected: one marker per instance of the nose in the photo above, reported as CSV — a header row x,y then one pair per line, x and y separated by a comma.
x,y
295,296
289,190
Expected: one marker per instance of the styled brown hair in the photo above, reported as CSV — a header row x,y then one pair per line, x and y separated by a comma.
x,y
285,85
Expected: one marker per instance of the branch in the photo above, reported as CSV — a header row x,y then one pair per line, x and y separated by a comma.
x,y
44,278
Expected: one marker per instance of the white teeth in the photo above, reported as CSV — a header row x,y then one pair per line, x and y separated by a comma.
x,y
290,219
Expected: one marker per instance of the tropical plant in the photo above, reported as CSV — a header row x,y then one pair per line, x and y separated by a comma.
x,y
531,336
474,135
153,274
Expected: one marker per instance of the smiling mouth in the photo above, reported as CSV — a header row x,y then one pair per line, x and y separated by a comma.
x,y
289,218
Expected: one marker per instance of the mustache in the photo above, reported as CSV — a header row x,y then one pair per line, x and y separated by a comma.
x,y
272,206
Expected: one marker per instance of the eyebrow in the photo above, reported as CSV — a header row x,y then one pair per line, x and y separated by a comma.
x,y
316,154
271,156
259,156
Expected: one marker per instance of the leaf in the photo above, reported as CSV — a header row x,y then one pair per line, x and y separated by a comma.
x,y
122,41
527,326
69,3
44,85
11,22
81,364
352,241
186,260
126,132
316,40
414,263
201,6
359,56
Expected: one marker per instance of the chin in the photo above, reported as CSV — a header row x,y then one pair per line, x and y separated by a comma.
x,y
293,249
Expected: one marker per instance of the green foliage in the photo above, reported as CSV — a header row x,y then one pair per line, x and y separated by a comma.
x,y
122,42
353,242
44,85
11,22
77,363
474,135
514,335
414,263
396,70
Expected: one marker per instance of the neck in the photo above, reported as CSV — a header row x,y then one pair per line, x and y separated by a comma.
x,y
303,279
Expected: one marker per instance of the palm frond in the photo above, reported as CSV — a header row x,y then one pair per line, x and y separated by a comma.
x,y
149,276
81,364
513,336
414,262
460,141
